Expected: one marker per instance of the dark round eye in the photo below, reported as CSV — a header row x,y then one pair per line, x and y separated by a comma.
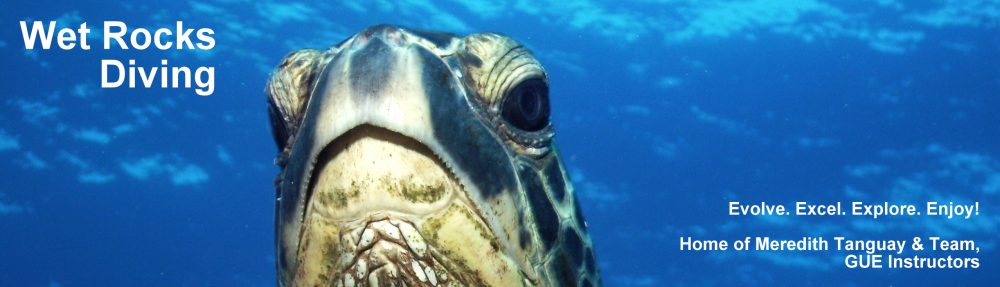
x,y
526,107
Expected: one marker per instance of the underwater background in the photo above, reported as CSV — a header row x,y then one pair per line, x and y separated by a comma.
x,y
664,112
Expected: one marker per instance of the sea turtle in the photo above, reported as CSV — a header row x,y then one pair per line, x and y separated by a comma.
x,y
418,158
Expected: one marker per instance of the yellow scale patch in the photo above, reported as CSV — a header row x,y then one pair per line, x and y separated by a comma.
x,y
320,252
464,241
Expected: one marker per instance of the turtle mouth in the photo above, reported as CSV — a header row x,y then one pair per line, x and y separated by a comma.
x,y
371,169
370,195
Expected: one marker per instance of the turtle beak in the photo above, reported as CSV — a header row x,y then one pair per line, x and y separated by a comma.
x,y
372,103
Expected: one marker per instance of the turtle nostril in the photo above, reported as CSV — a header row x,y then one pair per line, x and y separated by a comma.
x,y
360,40
390,35
393,36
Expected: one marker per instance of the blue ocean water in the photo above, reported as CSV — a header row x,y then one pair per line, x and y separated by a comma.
x,y
664,112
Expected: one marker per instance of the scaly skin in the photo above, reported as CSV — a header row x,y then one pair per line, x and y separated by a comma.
x,y
415,158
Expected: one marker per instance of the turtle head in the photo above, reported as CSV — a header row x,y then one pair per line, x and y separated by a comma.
x,y
425,158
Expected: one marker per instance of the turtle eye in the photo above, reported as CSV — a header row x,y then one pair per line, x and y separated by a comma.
x,y
526,107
